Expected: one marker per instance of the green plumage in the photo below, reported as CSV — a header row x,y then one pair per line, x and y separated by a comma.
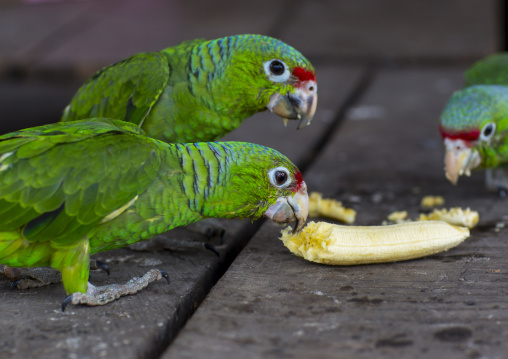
x,y
492,70
196,91
69,190
483,101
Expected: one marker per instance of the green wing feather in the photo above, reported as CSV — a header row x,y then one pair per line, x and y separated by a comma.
x,y
125,90
492,70
75,188
96,168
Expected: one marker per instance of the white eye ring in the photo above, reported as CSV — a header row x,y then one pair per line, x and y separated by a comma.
x,y
272,174
282,77
488,131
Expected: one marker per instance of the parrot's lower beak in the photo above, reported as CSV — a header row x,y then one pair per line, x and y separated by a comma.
x,y
300,105
291,209
460,159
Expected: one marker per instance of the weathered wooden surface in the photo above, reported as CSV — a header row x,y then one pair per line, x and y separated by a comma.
x,y
272,304
142,325
75,38
384,157
395,30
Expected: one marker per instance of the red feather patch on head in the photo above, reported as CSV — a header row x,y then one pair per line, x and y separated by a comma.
x,y
303,75
299,180
471,135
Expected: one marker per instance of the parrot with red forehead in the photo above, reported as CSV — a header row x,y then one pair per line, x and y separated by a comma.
x,y
69,190
200,90
474,124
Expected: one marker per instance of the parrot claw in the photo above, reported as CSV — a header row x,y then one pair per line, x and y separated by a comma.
x,y
66,302
164,275
14,284
212,248
94,264
502,192
222,239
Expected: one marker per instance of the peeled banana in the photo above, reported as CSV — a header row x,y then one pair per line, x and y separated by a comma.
x,y
328,243
327,207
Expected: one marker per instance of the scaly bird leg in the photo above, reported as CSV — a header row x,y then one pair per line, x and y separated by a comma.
x,y
108,293
25,278
496,180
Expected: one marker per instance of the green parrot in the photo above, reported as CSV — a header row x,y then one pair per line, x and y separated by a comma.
x,y
200,90
474,124
72,189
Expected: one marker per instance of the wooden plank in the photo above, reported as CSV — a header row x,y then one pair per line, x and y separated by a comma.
x,y
272,304
152,25
79,37
23,26
388,30
29,31
142,325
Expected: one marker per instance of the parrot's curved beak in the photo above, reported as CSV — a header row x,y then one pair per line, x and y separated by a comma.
x,y
299,105
460,158
291,209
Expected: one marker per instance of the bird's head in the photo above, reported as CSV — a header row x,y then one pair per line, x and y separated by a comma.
x,y
292,204
474,126
264,182
275,76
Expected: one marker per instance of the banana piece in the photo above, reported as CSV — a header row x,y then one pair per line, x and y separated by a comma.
x,y
325,207
397,217
432,201
328,243
456,216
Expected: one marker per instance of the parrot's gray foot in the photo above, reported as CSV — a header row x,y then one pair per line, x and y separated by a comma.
x,y
502,192
24,278
209,228
108,293
496,180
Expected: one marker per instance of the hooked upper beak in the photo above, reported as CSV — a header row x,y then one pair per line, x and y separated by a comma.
x,y
291,209
300,105
460,159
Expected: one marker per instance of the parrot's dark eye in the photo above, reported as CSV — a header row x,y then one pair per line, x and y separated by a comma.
x,y
488,131
279,177
277,68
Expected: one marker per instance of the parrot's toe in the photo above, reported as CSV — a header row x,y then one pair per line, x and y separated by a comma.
x,y
25,278
108,293
95,264
212,248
